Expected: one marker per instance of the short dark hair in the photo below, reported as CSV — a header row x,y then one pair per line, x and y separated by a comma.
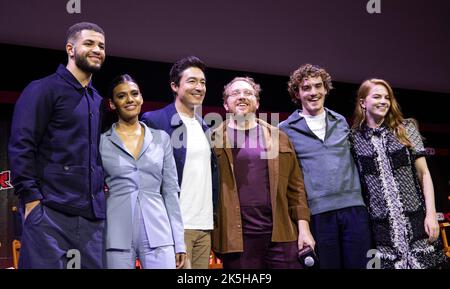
x,y
74,30
118,80
181,65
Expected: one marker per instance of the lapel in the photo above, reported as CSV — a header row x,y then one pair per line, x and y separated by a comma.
x,y
331,121
221,141
175,120
298,123
148,137
271,138
115,139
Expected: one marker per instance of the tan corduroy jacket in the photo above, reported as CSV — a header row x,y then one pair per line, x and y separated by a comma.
x,y
287,191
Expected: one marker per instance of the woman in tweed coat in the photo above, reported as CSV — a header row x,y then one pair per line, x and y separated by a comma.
x,y
396,182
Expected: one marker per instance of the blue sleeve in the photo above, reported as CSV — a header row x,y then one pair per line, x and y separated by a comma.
x,y
148,119
31,116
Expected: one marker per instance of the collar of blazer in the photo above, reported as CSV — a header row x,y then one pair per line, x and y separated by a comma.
x,y
112,135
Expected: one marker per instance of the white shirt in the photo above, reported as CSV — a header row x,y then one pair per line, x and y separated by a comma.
x,y
196,187
317,124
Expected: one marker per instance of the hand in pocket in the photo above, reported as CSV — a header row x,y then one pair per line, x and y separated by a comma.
x,y
29,207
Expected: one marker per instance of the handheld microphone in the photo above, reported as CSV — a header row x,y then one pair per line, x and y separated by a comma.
x,y
308,258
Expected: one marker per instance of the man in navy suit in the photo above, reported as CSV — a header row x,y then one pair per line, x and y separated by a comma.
x,y
55,163
195,160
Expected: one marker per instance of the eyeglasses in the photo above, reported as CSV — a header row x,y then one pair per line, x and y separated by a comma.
x,y
246,92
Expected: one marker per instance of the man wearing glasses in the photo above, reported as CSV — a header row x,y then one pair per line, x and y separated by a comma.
x,y
263,217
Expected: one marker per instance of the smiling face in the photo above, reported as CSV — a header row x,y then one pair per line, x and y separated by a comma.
x,y
311,93
127,101
241,98
87,51
376,104
192,88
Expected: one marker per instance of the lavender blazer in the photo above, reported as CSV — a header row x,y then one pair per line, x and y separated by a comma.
x,y
153,179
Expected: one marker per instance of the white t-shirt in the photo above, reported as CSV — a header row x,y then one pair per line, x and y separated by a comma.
x,y
196,187
317,124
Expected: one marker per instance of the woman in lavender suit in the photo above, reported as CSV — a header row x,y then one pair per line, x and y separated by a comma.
x,y
143,213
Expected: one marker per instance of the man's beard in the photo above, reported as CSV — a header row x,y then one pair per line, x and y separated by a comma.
x,y
83,64
241,118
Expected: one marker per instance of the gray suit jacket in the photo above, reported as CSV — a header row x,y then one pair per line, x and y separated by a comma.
x,y
153,179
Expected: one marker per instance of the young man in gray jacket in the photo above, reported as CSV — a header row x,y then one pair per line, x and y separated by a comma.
x,y
320,137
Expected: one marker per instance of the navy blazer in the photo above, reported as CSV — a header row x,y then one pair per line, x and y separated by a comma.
x,y
53,149
169,120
